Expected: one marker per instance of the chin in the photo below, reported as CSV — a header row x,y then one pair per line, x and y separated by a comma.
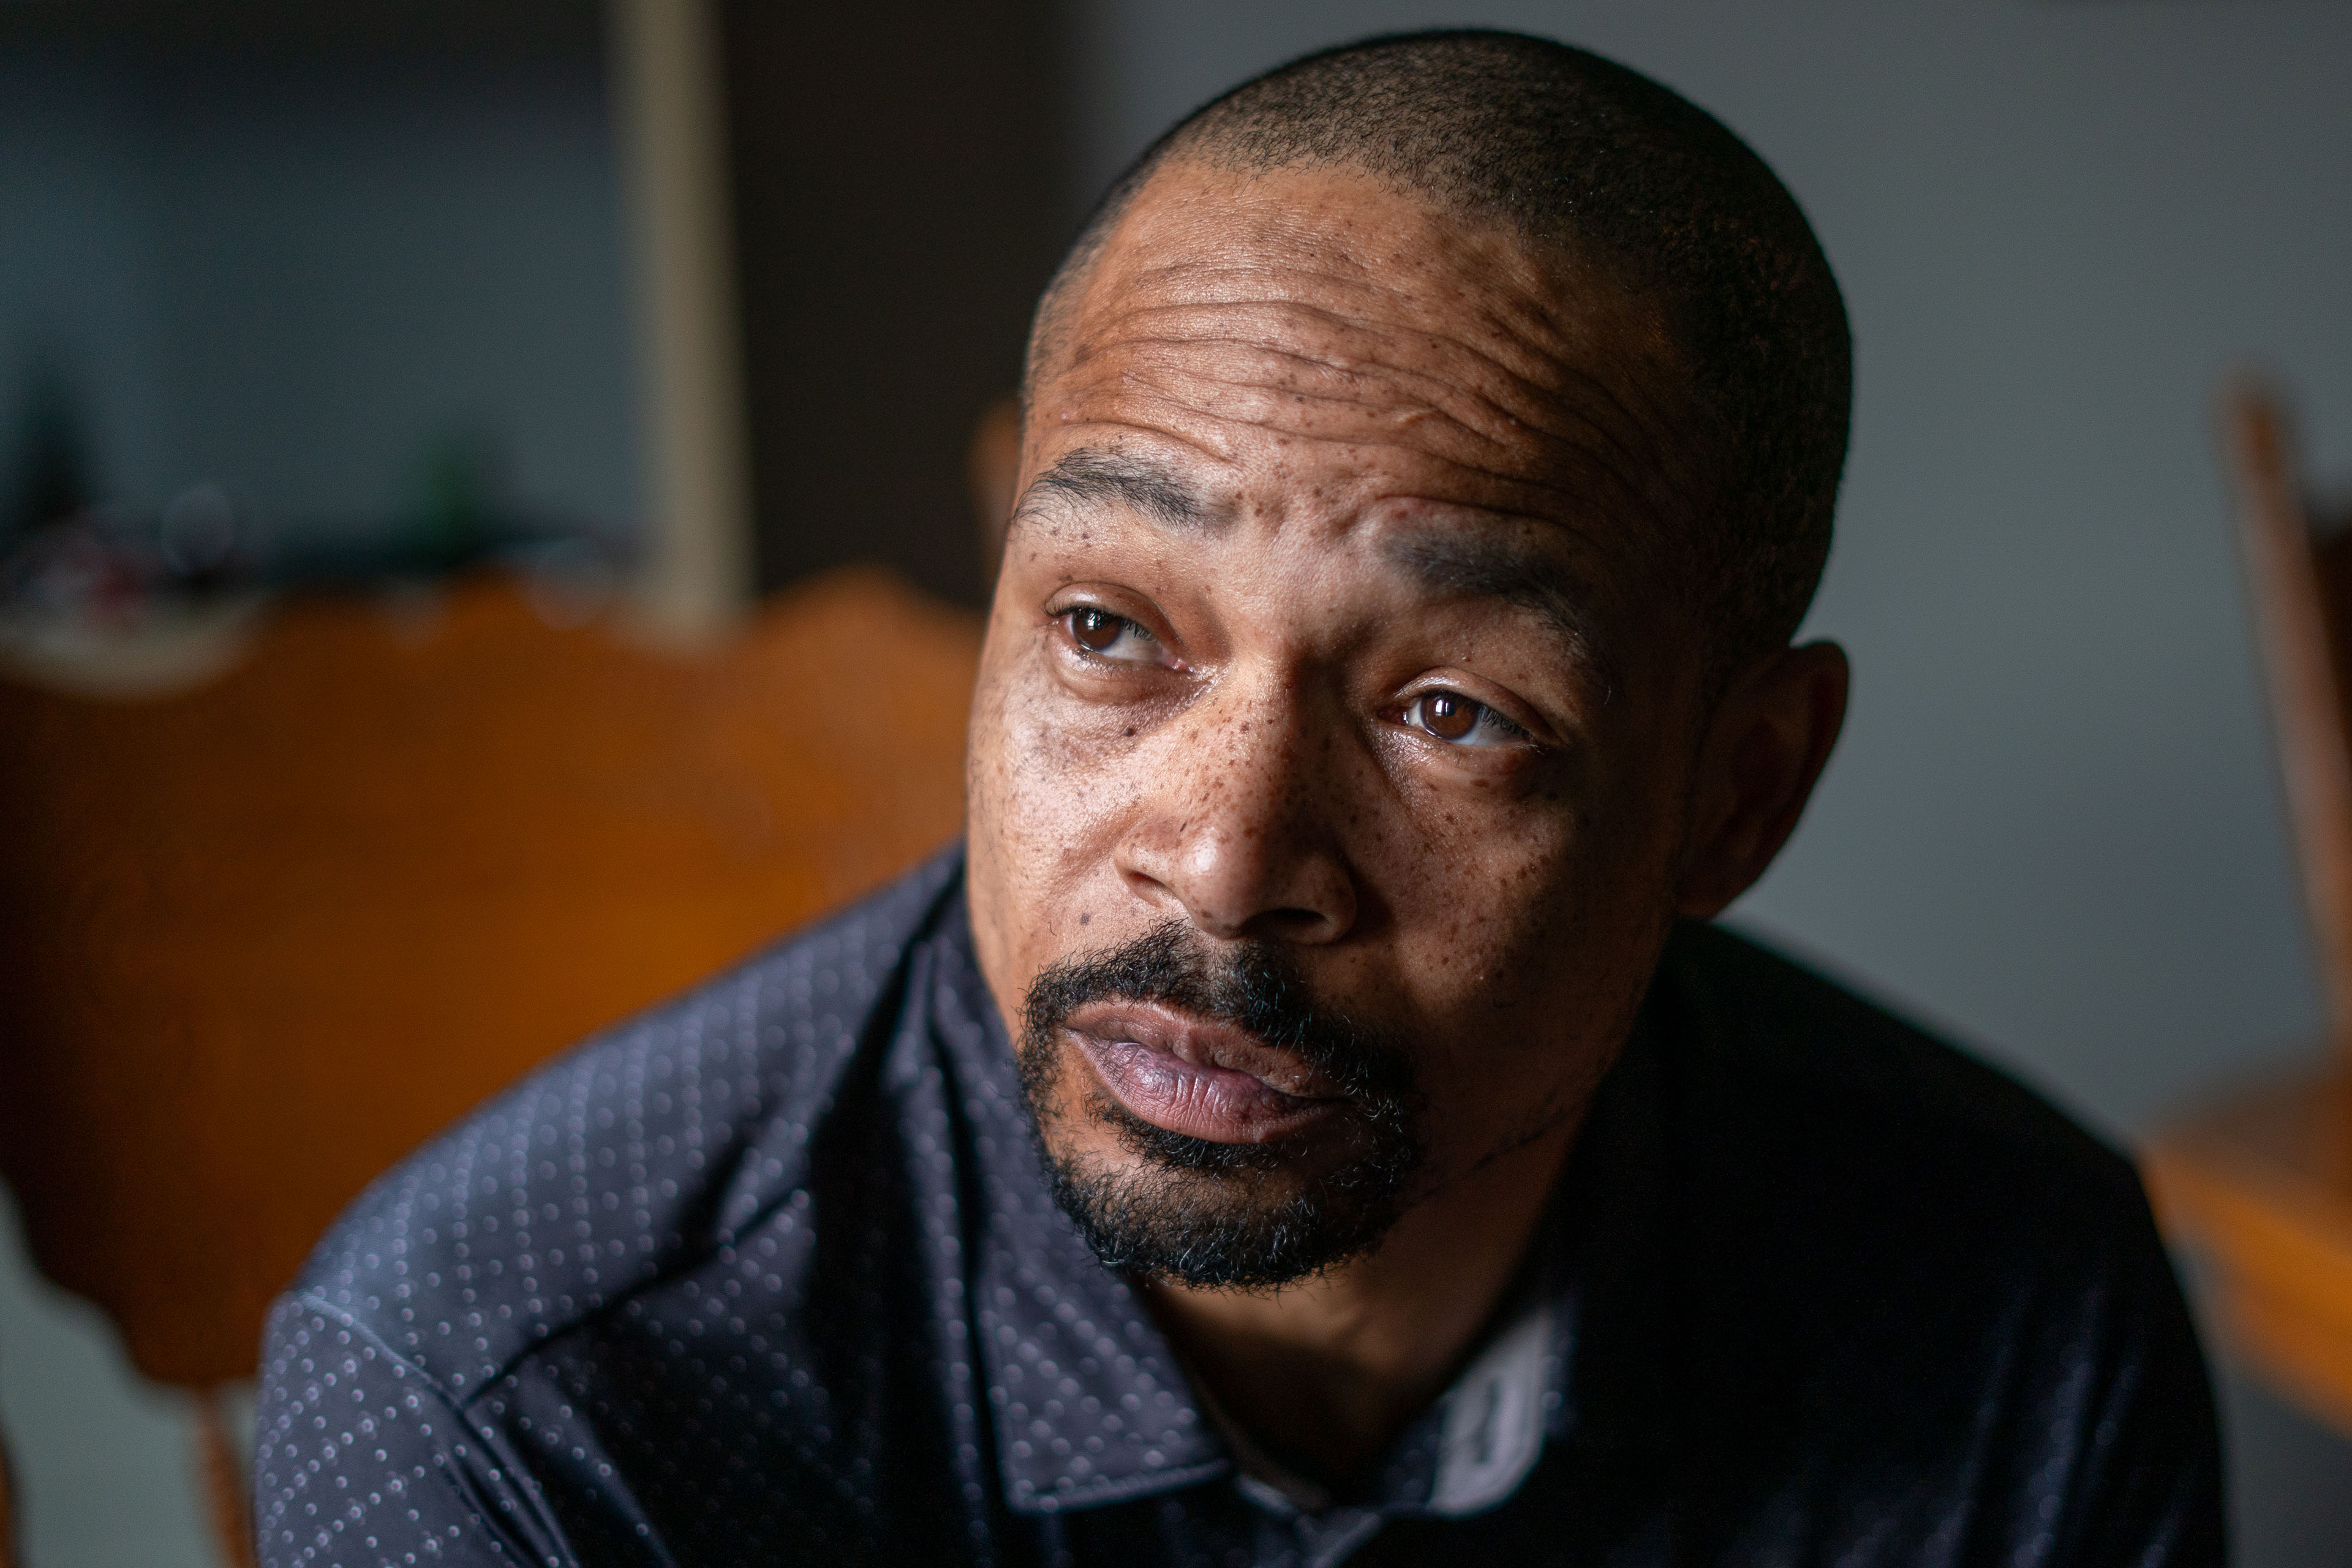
x,y
1252,1216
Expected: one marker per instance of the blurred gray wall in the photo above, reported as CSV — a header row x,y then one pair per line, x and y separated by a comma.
x,y
299,271
2051,827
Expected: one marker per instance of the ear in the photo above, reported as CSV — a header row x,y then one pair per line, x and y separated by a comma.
x,y
1762,754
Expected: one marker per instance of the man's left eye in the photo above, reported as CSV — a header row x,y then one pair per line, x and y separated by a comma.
x,y
1460,721
1106,635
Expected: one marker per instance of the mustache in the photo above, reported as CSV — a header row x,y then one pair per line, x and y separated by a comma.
x,y
1252,986
1197,1210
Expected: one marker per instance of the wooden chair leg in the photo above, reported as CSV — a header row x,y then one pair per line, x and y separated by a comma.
x,y
220,1470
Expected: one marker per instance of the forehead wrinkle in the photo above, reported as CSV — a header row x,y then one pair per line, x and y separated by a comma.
x,y
1573,470
1507,495
1537,310
1510,493
1522,370
1411,410
1304,279
1436,390
1521,314
1570,404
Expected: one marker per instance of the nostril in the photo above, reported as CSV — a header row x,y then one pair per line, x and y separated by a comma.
x,y
1292,920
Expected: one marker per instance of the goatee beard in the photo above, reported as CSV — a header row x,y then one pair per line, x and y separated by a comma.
x,y
1207,1213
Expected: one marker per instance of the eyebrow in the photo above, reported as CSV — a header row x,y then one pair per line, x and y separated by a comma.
x,y
1095,476
1465,565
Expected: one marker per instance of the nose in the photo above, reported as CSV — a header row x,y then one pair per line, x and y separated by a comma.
x,y
1240,830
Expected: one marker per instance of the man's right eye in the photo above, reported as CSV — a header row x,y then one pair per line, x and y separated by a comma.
x,y
1105,635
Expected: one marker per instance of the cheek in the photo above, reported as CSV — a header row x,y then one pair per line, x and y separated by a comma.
x,y
1527,934
1059,781
1483,912
1044,798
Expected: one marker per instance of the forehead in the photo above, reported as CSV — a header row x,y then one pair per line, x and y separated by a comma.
x,y
1316,339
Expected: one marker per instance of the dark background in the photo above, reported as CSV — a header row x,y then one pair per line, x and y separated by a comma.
x,y
903,178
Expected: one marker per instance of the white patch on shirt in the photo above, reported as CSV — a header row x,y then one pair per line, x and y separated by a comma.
x,y
1492,1429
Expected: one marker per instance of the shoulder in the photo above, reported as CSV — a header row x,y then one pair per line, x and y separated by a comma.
x,y
1883,1236
1805,1063
1867,1206
1899,1271
629,1158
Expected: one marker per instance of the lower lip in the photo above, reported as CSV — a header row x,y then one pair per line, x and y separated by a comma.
x,y
1215,1104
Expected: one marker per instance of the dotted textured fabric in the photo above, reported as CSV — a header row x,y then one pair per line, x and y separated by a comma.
x,y
773,1275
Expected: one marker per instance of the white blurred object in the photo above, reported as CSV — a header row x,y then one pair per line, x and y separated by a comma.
x,y
697,576
167,646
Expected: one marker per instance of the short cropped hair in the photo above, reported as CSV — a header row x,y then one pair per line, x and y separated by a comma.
x,y
1572,150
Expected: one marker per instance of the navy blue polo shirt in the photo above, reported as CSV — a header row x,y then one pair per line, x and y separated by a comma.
x,y
773,1275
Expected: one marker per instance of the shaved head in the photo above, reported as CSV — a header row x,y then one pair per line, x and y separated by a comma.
x,y
1601,169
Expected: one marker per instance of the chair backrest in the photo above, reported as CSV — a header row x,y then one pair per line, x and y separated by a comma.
x,y
259,939
2299,570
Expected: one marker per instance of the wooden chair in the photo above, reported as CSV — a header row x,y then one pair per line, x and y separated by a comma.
x,y
259,939
2260,1179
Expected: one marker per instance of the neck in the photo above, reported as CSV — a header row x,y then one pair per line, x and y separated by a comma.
x,y
1326,1374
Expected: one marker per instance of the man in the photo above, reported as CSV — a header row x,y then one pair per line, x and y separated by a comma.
x,y
1309,1119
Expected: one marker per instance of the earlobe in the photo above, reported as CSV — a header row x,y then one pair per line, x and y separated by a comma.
x,y
1764,751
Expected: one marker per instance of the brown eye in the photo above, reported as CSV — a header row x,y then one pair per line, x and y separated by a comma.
x,y
1460,721
1095,630
1449,715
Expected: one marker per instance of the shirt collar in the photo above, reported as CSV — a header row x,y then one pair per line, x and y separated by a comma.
x,y
1090,1405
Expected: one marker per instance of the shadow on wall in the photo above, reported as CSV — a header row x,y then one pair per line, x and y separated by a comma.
x,y
900,207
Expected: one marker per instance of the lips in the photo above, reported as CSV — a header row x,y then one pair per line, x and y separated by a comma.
x,y
1200,1079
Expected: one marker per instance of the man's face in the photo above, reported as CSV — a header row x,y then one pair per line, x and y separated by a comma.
x,y
1331,744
